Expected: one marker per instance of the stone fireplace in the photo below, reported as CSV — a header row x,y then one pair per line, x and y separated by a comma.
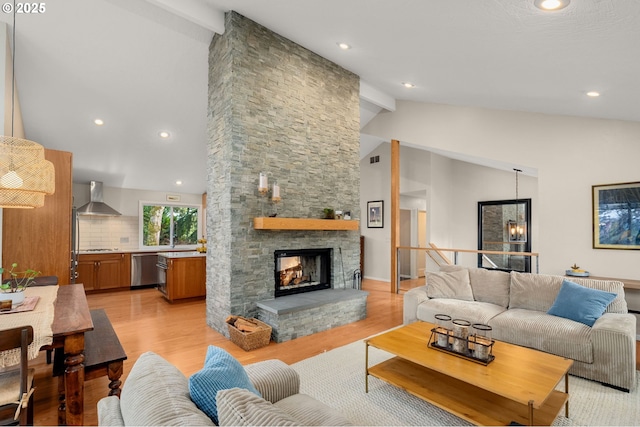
x,y
278,108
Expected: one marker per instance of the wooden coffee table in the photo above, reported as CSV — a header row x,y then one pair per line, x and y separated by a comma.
x,y
518,386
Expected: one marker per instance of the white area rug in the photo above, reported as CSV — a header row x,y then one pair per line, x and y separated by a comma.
x,y
336,378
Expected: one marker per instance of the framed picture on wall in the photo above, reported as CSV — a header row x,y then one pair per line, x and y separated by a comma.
x,y
616,216
375,214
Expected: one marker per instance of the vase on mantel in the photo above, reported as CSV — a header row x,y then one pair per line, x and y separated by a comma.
x,y
16,298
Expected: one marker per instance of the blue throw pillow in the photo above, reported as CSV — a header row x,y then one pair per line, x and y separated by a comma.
x,y
579,303
221,371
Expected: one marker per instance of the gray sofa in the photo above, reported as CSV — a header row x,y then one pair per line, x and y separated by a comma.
x,y
156,393
515,305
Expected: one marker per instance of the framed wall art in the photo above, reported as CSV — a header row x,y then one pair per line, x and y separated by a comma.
x,y
616,216
375,214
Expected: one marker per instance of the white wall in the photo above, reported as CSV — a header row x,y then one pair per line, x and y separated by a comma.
x,y
126,201
422,174
570,154
441,203
121,232
473,184
375,185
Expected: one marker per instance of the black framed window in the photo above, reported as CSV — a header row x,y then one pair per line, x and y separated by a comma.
x,y
505,226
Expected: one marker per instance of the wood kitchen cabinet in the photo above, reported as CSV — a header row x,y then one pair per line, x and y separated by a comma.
x,y
104,271
185,278
40,238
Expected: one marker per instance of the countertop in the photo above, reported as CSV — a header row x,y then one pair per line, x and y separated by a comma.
x,y
129,251
190,254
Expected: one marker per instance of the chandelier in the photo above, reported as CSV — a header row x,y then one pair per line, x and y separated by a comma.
x,y
517,229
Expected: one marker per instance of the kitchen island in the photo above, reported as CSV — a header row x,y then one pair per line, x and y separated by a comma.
x,y
182,275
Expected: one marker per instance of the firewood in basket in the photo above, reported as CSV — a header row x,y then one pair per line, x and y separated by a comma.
x,y
245,325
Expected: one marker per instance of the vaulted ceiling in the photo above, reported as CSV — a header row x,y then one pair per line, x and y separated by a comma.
x,y
141,66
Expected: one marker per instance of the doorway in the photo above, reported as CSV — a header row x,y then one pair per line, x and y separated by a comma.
x,y
413,233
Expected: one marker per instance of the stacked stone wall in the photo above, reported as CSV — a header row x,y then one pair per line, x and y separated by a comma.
x,y
278,108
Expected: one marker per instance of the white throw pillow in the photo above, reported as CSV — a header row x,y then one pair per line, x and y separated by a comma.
x,y
452,285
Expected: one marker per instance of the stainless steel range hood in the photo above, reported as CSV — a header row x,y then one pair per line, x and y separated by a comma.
x,y
96,206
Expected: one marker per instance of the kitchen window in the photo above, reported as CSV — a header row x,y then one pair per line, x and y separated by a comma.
x,y
169,225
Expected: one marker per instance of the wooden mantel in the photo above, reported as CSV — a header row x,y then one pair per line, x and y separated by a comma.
x,y
268,223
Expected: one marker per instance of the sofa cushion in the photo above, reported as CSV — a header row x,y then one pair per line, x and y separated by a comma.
x,y
109,413
221,371
156,393
454,284
241,407
542,331
473,311
533,291
487,285
274,379
490,286
310,412
619,304
584,305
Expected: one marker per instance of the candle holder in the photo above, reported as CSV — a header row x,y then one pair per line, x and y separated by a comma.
x,y
476,347
263,183
263,189
482,343
275,196
443,321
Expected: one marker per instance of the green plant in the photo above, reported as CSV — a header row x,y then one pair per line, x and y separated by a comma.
x,y
329,213
18,280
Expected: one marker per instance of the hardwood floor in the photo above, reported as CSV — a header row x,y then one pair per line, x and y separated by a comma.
x,y
144,321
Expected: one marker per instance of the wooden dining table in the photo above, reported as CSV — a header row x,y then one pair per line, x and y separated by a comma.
x,y
71,320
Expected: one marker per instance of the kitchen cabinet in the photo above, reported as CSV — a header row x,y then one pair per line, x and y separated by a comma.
x,y
104,271
40,238
185,275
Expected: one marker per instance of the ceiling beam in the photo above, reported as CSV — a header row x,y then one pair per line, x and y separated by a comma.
x,y
377,97
195,11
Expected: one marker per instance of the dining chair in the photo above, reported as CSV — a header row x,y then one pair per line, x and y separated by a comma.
x,y
16,383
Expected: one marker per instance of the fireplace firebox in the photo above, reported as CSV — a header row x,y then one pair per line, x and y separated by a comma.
x,y
302,270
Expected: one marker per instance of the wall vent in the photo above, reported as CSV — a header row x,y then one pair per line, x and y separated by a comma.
x,y
374,159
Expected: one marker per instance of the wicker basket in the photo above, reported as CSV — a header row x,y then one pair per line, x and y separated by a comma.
x,y
250,340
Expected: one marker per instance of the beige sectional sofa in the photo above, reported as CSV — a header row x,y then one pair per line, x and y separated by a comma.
x,y
156,393
515,305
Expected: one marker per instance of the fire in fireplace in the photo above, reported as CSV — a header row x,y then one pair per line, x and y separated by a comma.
x,y
302,270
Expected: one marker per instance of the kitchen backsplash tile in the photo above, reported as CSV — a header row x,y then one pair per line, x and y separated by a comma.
x,y
119,232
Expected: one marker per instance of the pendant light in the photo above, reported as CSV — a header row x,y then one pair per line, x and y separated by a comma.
x,y
517,229
25,175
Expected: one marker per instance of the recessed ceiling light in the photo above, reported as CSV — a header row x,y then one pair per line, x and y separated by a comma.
x,y
551,4
408,85
593,94
98,122
178,182
344,46
164,134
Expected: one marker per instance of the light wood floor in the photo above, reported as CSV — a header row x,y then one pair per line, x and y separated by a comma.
x,y
144,321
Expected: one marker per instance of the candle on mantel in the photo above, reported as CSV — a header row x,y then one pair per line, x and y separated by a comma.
x,y
263,184
276,192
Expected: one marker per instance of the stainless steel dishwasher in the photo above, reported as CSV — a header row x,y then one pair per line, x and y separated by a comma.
x,y
144,272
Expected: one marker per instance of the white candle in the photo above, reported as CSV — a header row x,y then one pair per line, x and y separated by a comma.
x,y
276,190
264,182
443,337
481,347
